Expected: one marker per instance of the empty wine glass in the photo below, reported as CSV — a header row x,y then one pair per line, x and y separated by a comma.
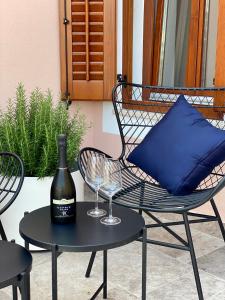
x,y
94,177
111,185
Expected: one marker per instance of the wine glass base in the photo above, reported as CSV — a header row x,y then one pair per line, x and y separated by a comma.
x,y
96,213
110,220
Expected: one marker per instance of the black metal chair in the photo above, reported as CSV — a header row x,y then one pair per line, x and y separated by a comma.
x,y
11,180
15,261
15,267
137,109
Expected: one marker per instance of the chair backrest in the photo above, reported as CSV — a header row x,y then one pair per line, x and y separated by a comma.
x,y
11,179
138,108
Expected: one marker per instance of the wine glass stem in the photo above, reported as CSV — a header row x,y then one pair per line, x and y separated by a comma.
x,y
110,207
96,202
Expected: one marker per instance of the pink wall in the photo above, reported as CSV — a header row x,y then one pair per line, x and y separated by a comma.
x,y
29,52
29,46
109,143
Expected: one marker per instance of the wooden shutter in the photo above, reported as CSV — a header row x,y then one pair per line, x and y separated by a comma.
x,y
91,48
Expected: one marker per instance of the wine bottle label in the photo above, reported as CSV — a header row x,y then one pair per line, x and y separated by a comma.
x,y
63,211
63,201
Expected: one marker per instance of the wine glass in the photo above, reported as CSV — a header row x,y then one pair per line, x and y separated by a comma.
x,y
112,184
94,177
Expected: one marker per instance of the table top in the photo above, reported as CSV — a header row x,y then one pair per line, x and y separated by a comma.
x,y
14,260
86,234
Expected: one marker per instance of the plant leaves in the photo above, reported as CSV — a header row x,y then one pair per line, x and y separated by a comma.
x,y
30,128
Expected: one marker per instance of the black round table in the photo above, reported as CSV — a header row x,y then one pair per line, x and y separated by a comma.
x,y
15,266
87,234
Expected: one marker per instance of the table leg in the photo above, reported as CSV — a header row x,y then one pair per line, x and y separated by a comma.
x,y
54,273
105,274
26,245
104,282
144,263
14,290
90,264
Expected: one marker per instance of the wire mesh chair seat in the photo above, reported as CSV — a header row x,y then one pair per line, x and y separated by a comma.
x,y
146,196
137,109
11,181
140,194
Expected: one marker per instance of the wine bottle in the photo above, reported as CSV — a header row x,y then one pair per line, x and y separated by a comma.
x,y
63,192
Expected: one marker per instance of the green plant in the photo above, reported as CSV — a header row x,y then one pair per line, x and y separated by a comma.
x,y
30,127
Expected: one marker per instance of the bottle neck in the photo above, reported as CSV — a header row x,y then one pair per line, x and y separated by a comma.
x,y
62,157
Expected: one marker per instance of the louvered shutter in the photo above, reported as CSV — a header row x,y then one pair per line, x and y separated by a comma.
x,y
91,48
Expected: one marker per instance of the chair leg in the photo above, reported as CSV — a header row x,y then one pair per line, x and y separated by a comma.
x,y
2,232
144,264
193,257
90,264
25,286
218,217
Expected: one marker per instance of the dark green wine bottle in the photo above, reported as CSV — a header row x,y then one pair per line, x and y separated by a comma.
x,y
63,192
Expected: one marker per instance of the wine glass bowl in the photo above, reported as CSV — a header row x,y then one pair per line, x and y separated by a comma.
x,y
94,177
111,188
112,184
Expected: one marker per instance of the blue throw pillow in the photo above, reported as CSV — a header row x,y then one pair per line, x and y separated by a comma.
x,y
181,149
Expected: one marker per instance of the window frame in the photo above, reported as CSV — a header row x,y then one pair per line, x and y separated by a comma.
x,y
152,45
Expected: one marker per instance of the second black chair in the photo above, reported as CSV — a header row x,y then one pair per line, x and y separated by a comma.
x,y
138,108
15,267
11,181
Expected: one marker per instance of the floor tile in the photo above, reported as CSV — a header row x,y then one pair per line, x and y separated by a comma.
x,y
6,294
219,296
184,288
203,243
211,228
40,257
124,267
117,293
214,263
167,278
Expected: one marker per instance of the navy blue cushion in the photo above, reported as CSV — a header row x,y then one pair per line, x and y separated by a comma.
x,y
181,149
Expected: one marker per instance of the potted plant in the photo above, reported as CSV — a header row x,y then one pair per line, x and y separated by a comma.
x,y
30,127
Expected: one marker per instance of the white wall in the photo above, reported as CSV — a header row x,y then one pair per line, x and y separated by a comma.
x,y
138,18
109,124
211,45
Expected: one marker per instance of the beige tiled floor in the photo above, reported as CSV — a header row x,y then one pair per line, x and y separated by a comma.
x,y
170,275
